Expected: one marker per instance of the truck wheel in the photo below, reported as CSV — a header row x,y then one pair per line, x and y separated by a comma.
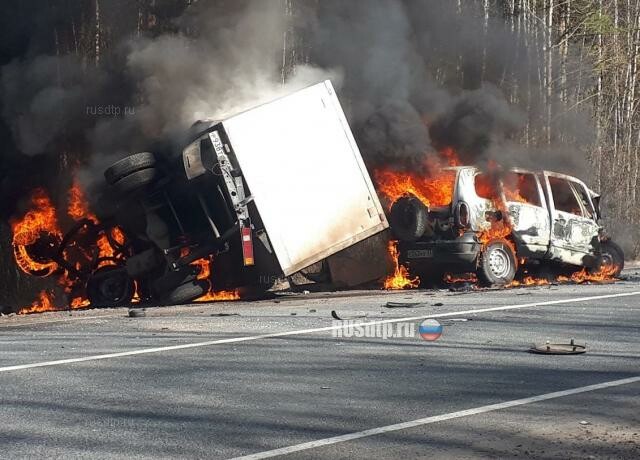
x,y
408,218
128,165
497,264
110,286
612,256
187,292
135,181
172,280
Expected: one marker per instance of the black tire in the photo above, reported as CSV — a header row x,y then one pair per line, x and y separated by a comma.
x,y
129,165
136,181
172,279
110,286
497,264
611,254
408,218
187,292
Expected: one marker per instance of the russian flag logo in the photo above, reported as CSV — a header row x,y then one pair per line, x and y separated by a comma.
x,y
430,330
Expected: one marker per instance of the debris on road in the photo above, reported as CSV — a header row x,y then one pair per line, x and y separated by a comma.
x,y
137,313
548,348
405,305
343,318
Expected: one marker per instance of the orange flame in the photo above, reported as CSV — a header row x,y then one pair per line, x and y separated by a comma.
x,y
605,274
460,278
529,281
78,207
434,186
400,278
218,296
212,296
41,219
432,191
44,303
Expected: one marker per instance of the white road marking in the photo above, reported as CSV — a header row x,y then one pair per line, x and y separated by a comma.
x,y
435,419
185,346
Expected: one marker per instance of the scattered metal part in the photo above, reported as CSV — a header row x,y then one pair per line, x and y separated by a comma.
x,y
438,304
293,313
343,318
404,305
137,312
548,348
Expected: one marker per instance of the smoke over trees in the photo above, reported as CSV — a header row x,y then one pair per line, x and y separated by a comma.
x,y
538,83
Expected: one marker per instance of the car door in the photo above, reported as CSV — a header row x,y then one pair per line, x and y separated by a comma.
x,y
528,209
573,228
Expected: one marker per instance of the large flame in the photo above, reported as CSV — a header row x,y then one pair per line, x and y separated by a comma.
x,y
400,278
42,304
204,265
39,221
604,274
40,226
433,186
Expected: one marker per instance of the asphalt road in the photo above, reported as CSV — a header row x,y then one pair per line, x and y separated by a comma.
x,y
191,382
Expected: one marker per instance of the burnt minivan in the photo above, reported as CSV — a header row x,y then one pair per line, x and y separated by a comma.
x,y
498,225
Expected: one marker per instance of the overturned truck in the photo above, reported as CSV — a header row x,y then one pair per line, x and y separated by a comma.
x,y
260,195
503,223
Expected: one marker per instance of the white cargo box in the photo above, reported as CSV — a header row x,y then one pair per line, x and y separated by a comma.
x,y
306,175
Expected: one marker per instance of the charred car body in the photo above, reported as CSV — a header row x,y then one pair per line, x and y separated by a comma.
x,y
262,195
497,224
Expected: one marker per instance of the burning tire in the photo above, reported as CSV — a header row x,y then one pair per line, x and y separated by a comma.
x,y
188,292
129,165
408,218
612,258
110,286
136,181
497,264
37,258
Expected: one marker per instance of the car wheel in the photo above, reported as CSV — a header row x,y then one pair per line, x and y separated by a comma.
x,y
612,258
497,264
187,292
129,165
408,218
110,286
136,181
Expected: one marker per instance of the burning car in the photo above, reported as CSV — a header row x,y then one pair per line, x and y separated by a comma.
x,y
501,223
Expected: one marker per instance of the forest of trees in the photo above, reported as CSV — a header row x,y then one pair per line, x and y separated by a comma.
x,y
569,66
